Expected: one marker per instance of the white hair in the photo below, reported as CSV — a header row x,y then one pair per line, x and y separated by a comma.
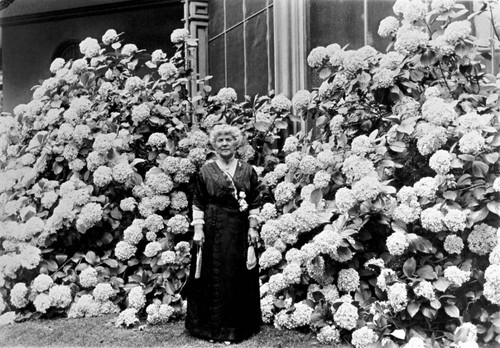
x,y
225,129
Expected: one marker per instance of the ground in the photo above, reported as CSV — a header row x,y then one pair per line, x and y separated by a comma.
x,y
101,332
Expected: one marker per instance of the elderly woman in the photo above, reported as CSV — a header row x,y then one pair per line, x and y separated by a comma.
x,y
223,299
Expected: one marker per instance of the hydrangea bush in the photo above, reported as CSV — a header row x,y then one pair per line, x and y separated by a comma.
x,y
402,157
95,181
379,219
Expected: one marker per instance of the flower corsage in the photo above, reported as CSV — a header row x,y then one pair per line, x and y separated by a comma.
x,y
243,204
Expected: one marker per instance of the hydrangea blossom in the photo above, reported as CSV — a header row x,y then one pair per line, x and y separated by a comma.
x,y
453,244
426,187
397,243
397,296
167,70
440,162
356,167
226,95
281,103
388,26
88,277
425,289
42,283
457,31
270,257
127,318
471,142
317,56
367,188
90,47
61,296
42,302
301,99
363,337
136,298
124,251
482,240
103,292
292,273
348,280
268,212
328,335
284,192
432,219
409,40
346,316
456,276
109,37
18,295
179,35
178,224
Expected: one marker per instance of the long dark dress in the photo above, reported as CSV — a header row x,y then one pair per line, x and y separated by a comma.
x,y
224,303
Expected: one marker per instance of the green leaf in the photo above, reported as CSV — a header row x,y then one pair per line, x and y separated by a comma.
x,y
426,272
316,196
398,146
479,169
111,263
452,311
116,214
413,308
409,267
261,126
281,124
401,334
107,238
441,284
324,73
494,207
419,243
57,168
491,158
61,258
91,257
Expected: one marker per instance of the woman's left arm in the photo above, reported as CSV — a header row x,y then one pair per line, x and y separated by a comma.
x,y
253,204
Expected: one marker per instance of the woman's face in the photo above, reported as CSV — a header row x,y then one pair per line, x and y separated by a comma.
x,y
225,145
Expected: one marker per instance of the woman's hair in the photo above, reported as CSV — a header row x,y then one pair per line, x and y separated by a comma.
x,y
225,129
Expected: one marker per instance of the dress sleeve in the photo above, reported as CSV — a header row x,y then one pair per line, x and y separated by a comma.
x,y
200,197
254,194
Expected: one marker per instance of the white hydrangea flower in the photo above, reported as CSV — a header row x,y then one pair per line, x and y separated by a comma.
x,y
18,295
397,296
103,292
56,65
281,103
322,179
453,244
440,162
270,257
301,99
407,213
136,298
397,243
179,35
227,95
42,302
442,5
129,49
482,240
152,249
431,140
291,144
157,56
292,273
409,39
363,337
436,111
388,26
411,10
61,296
471,142
42,283
109,37
167,70
457,31
317,56
268,212
178,224
167,258
356,167
88,277
102,176
90,214
284,192
456,220
328,335
456,276
124,251
367,188
134,83
276,283
432,219
426,187
346,316
425,289
496,185
415,342
90,47
348,280
127,318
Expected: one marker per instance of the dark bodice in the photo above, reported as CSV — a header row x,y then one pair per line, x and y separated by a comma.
x,y
214,187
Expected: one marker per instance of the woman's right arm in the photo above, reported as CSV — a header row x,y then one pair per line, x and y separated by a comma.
x,y
199,202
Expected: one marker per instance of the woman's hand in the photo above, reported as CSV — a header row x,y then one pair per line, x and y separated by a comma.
x,y
199,235
253,235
